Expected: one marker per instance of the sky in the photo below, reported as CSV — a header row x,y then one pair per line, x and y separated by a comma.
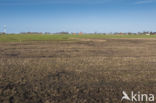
x,y
87,16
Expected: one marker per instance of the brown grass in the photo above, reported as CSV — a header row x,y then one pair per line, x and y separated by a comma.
x,y
84,71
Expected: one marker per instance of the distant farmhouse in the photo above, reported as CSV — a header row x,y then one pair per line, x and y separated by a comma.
x,y
150,33
153,33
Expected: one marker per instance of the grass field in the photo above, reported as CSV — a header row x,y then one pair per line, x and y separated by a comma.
x,y
64,69
28,37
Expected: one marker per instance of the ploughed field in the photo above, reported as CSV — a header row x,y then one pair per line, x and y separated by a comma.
x,y
76,71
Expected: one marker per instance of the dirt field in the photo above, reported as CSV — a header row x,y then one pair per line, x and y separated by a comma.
x,y
82,71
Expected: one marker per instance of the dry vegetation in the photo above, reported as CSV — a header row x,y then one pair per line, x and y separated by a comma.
x,y
85,71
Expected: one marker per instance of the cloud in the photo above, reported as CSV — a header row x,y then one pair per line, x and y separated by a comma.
x,y
145,1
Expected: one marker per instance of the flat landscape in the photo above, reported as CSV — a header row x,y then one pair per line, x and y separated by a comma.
x,y
75,69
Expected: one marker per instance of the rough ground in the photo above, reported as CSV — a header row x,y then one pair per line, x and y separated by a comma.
x,y
84,71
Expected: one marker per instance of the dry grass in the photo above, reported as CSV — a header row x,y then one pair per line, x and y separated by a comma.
x,y
85,71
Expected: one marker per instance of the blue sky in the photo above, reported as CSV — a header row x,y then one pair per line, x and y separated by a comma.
x,y
78,15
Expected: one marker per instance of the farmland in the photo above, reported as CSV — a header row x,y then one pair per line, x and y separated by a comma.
x,y
75,68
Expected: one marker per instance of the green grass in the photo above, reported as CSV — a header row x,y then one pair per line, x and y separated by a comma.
x,y
28,37
23,37
97,36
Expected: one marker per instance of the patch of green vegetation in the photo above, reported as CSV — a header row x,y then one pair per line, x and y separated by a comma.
x,y
98,36
26,37
36,37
